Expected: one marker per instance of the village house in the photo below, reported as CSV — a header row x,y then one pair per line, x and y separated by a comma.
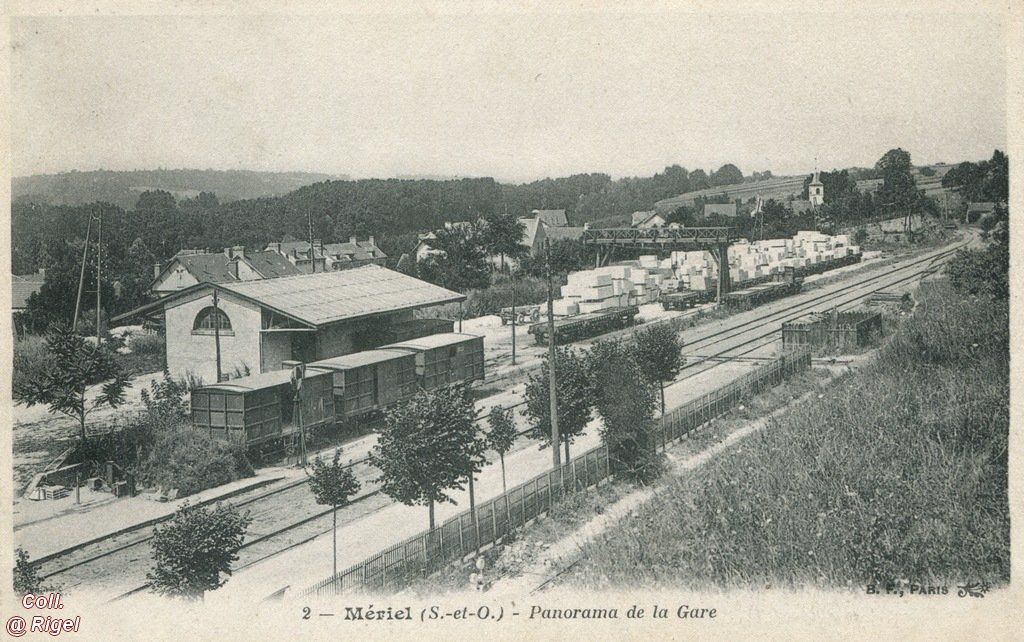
x,y
189,267
647,219
329,256
551,218
257,326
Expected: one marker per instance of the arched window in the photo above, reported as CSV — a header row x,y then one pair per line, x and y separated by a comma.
x,y
209,316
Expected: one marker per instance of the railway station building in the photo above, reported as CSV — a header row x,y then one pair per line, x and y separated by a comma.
x,y
260,326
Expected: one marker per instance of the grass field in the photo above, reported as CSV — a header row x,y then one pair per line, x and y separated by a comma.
x,y
898,472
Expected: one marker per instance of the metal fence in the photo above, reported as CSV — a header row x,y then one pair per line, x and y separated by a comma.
x,y
461,535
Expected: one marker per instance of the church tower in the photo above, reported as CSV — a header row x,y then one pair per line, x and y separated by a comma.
x,y
816,191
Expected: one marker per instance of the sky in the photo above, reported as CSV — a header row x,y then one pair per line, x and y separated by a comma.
x,y
513,95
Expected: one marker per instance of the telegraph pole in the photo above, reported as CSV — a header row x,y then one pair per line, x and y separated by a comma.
x,y
99,288
81,275
312,253
556,459
216,331
513,321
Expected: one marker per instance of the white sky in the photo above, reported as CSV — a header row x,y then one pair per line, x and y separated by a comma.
x,y
516,96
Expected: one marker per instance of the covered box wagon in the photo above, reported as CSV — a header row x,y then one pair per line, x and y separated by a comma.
x,y
263,407
446,358
370,380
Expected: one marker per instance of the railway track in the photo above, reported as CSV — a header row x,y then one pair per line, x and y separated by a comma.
x,y
268,537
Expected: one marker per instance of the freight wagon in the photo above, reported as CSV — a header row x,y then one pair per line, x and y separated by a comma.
x,y
263,407
583,326
264,410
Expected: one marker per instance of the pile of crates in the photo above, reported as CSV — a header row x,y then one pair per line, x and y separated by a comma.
x,y
614,286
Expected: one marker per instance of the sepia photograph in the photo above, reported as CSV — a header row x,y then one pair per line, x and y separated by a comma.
x,y
529,321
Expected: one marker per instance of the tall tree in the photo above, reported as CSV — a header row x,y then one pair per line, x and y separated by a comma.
x,y
193,550
625,398
461,264
503,235
72,368
659,348
332,485
429,446
727,174
898,193
573,389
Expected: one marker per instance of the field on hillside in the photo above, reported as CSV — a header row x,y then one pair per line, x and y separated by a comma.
x,y
898,473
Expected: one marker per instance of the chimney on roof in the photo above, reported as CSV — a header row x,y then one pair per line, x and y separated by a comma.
x,y
371,240
352,240
233,268
42,272
239,251
157,269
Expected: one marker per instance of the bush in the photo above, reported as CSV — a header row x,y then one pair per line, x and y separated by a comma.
x,y
146,344
30,357
190,460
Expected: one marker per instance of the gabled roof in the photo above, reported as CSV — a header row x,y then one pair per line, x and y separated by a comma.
x,y
531,227
721,209
323,298
358,251
551,218
22,287
639,218
270,265
216,267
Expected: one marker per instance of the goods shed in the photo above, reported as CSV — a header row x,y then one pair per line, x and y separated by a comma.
x,y
216,329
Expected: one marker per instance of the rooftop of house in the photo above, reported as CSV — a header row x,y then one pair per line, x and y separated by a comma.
x,y
551,218
215,267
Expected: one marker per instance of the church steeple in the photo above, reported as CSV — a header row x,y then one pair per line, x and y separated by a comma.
x,y
816,191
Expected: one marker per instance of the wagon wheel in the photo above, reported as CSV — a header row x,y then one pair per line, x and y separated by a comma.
x,y
535,314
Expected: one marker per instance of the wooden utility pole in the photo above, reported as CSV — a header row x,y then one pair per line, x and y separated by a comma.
x,y
556,458
216,332
513,321
81,276
99,288
312,253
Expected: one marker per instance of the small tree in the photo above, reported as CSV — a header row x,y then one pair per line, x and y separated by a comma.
x,y
193,550
503,235
659,348
429,445
73,367
500,436
572,394
26,575
625,399
332,485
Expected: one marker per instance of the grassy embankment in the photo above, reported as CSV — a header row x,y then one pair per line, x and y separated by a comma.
x,y
899,471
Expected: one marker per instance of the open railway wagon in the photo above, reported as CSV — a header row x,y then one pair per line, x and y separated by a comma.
x,y
583,326
261,410
747,298
443,359
681,300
